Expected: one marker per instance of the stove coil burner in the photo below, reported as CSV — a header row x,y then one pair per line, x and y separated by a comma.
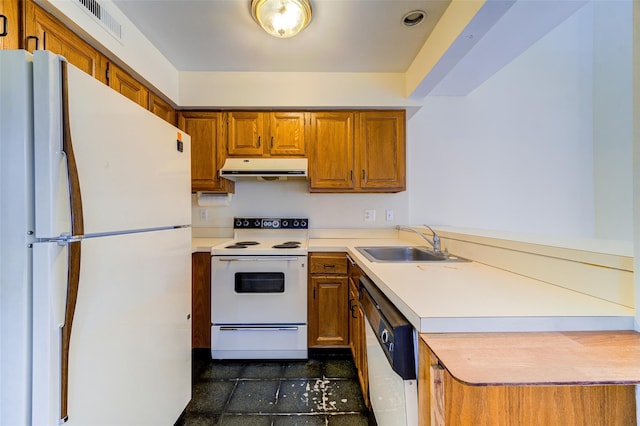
x,y
242,244
288,245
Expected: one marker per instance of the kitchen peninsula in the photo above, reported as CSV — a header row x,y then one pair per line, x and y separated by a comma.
x,y
461,308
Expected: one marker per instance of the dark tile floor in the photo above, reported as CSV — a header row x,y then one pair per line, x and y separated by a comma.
x,y
319,391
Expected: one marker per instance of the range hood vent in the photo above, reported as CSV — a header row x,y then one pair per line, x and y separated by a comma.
x,y
264,168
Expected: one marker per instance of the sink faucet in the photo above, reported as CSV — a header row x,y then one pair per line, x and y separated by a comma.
x,y
436,239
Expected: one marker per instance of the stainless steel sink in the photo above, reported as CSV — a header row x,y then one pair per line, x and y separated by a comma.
x,y
406,254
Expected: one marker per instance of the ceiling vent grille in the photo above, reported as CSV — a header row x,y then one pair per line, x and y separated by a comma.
x,y
98,12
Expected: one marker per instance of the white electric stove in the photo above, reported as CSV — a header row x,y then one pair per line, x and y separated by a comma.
x,y
259,290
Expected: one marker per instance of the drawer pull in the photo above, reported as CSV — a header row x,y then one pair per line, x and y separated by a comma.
x,y
5,26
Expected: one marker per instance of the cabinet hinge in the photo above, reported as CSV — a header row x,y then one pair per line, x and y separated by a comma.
x,y
107,74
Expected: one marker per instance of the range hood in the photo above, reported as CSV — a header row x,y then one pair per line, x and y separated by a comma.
x,y
264,168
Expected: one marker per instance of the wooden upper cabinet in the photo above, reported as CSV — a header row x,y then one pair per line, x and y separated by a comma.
x,y
127,86
9,24
370,158
380,143
207,135
286,134
331,150
245,134
48,33
265,134
162,109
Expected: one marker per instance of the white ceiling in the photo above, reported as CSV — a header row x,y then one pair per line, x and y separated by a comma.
x,y
344,35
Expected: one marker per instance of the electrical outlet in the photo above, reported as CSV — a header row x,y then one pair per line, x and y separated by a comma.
x,y
204,214
389,215
369,215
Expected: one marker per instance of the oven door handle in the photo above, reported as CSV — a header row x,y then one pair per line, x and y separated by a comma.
x,y
257,259
258,328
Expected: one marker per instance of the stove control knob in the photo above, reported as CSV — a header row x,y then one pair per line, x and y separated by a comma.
x,y
257,223
303,224
245,223
285,223
384,336
238,223
275,224
296,223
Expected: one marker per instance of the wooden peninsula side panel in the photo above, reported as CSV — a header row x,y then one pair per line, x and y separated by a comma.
x,y
563,379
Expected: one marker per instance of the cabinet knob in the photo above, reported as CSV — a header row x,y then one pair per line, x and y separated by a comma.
x,y
33,38
5,26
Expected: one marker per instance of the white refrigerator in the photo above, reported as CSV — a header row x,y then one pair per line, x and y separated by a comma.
x,y
95,252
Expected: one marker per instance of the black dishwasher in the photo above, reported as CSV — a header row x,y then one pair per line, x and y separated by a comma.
x,y
391,359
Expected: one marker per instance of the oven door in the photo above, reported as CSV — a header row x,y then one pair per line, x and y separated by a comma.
x,y
258,290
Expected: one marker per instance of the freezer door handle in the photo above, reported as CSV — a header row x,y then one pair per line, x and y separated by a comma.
x,y
66,239
75,197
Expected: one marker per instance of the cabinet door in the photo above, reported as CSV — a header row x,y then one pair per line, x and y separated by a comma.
x,y
162,109
381,150
54,36
328,308
357,331
10,24
353,320
207,134
331,145
126,85
287,134
201,300
245,134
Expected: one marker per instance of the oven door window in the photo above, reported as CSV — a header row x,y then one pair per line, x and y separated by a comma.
x,y
259,282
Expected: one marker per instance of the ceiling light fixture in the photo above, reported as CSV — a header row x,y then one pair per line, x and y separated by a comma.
x,y
413,18
281,18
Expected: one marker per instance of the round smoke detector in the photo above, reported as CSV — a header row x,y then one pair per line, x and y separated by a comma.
x,y
413,18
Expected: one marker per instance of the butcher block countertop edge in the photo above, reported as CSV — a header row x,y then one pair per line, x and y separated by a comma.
x,y
539,358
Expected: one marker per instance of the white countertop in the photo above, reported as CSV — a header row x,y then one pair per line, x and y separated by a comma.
x,y
470,296
205,244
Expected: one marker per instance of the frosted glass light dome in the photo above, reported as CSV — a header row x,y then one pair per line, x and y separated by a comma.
x,y
281,18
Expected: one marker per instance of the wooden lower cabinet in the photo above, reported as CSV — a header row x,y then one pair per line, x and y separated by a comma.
x,y
328,300
201,300
357,339
443,400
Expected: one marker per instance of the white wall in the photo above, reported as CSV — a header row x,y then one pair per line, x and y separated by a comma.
x,y
517,153
612,111
291,198
134,51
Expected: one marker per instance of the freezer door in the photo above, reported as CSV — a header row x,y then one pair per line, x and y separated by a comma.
x,y
130,340
126,168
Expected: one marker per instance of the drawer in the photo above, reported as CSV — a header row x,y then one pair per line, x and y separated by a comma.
x,y
328,263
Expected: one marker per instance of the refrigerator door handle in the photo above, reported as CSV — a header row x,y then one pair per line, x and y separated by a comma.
x,y
73,281
72,241
75,197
